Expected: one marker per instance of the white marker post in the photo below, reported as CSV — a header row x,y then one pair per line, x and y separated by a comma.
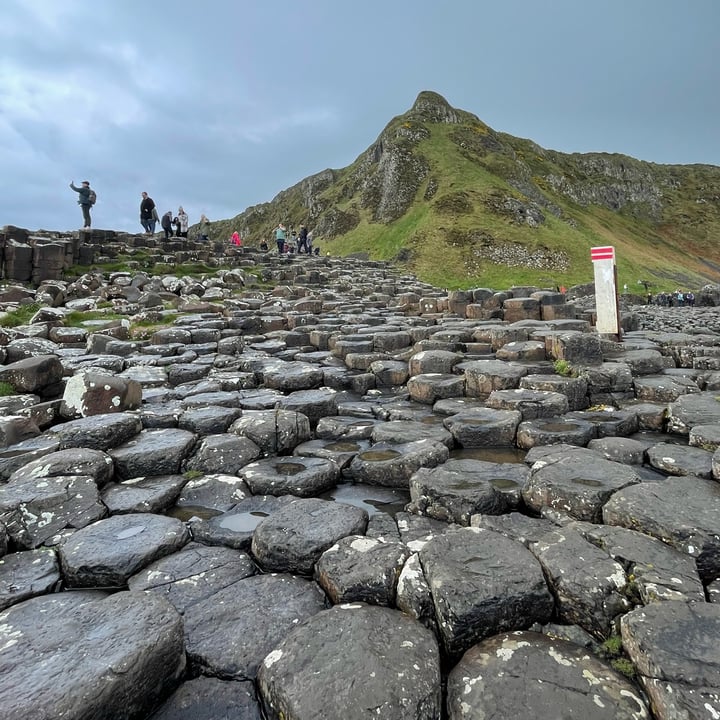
x,y
606,300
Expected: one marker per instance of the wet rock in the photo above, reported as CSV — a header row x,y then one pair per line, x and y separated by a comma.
x,y
32,374
99,432
122,679
482,583
230,632
26,574
681,511
676,459
654,570
144,494
314,404
207,698
294,537
484,427
193,574
33,510
458,489
108,552
235,527
674,647
73,461
663,388
404,431
223,454
392,465
589,586
361,569
395,655
299,476
515,526
428,388
273,431
495,675
551,431
620,449
212,492
689,410
152,452
208,419
578,483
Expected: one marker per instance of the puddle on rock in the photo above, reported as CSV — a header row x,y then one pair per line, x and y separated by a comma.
x,y
588,483
192,512
289,468
342,446
490,454
130,532
373,499
242,522
378,455
504,484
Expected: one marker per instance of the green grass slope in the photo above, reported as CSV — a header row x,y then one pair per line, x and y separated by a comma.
x,y
460,205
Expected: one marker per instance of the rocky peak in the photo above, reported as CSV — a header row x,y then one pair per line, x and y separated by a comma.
x,y
431,107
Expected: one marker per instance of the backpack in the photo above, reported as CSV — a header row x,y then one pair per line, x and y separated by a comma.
x,y
92,197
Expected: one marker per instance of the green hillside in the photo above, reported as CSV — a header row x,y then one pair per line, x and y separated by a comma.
x,y
460,205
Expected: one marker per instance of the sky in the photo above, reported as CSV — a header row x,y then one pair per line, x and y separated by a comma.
x,y
219,105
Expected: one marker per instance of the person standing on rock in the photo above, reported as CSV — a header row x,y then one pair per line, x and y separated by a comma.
x,y
166,224
183,223
147,205
302,242
85,200
280,235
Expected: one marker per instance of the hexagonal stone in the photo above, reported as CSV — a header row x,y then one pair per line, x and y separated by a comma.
x,y
361,569
495,675
120,679
482,583
392,465
108,552
294,537
484,427
578,483
299,476
395,655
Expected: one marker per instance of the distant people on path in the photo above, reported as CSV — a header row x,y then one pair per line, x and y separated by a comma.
x,y
183,223
86,200
236,240
263,245
302,245
166,224
280,237
204,222
148,214
309,242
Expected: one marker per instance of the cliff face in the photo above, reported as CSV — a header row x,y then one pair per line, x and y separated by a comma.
x,y
438,173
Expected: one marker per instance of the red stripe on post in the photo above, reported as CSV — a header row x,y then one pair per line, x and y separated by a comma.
x,y
602,253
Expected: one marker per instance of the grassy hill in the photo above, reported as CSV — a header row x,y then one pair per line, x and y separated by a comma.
x,y
461,205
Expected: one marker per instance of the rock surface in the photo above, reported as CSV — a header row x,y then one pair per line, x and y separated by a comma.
x,y
338,492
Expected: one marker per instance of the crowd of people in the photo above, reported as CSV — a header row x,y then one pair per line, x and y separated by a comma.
x,y
177,224
679,298
171,224
295,242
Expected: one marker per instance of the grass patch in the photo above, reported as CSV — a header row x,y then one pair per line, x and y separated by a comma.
x,y
20,315
6,389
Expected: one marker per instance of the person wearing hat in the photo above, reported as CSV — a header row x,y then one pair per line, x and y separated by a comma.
x,y
84,200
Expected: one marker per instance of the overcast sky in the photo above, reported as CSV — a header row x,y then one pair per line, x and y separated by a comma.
x,y
217,105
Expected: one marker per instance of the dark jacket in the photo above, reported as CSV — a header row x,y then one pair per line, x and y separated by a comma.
x,y
166,221
146,208
83,193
